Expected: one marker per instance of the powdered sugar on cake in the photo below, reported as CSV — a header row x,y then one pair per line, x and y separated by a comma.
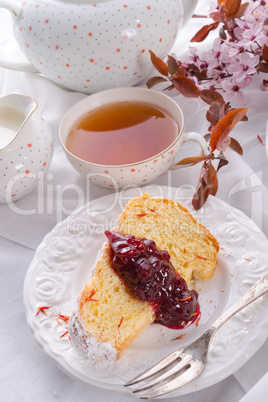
x,y
87,345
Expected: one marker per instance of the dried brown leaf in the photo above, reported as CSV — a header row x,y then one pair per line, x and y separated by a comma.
x,y
242,10
262,67
173,66
182,71
213,180
216,112
222,162
232,7
159,64
222,33
222,9
200,196
209,96
235,146
202,191
265,53
224,141
191,160
193,69
154,81
203,73
204,31
185,86
225,125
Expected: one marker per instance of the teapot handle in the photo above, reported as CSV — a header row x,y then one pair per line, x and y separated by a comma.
x,y
188,9
15,7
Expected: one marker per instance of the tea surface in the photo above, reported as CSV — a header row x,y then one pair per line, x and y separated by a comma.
x,y
122,133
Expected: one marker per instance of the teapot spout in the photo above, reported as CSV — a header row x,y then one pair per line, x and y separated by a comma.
x,y
188,9
15,110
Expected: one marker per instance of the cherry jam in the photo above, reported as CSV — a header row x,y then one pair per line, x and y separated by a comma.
x,y
151,277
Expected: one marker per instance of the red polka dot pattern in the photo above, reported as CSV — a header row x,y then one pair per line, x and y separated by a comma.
x,y
26,160
121,176
113,52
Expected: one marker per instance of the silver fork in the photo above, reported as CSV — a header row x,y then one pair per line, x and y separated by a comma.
x,y
184,365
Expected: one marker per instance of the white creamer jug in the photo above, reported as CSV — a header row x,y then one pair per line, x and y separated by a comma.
x,y
26,147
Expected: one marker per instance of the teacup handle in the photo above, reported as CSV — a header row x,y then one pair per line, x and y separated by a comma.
x,y
199,139
15,7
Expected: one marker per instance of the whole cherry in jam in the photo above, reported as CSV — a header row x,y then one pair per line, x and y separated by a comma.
x,y
151,277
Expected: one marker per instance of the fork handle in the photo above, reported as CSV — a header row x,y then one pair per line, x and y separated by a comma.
x,y
256,291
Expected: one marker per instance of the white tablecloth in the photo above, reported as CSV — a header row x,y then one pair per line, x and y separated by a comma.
x,y
26,373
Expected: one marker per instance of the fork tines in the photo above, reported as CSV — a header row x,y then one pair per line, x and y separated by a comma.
x,y
173,372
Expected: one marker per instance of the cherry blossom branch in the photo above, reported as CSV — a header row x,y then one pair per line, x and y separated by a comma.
x,y
240,52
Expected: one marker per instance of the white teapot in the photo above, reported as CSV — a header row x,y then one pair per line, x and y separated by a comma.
x,y
91,45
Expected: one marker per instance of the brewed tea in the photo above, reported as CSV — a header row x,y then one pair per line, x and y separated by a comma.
x,y
122,133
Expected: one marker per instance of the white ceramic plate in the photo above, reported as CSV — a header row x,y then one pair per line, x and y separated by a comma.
x,y
63,263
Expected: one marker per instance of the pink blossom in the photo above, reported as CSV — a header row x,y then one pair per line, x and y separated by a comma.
x,y
218,52
192,57
263,37
231,62
243,66
216,71
250,36
216,58
232,89
235,49
256,10
213,8
249,29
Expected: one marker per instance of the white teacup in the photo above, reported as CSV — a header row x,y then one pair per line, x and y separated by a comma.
x,y
139,173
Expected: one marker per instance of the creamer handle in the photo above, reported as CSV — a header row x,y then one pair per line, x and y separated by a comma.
x,y
15,7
